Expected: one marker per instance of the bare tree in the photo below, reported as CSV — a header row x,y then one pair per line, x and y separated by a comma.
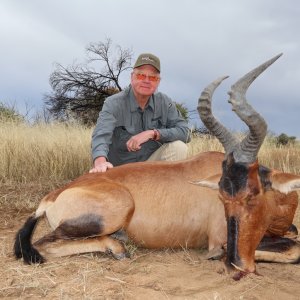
x,y
79,90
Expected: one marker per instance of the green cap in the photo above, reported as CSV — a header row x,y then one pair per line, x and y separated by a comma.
x,y
148,59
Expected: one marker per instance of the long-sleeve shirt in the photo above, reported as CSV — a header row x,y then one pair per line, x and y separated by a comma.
x,y
121,118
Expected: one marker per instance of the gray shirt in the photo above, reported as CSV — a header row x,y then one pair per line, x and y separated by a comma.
x,y
121,118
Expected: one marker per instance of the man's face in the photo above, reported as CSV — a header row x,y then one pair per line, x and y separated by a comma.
x,y
145,80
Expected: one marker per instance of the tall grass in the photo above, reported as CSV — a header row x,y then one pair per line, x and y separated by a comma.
x,y
59,152
43,152
284,158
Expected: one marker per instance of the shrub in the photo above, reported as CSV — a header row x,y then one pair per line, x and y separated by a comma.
x,y
283,139
9,114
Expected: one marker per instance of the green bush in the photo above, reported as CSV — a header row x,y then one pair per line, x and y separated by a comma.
x,y
283,139
9,114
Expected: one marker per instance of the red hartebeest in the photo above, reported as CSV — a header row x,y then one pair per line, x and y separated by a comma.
x,y
175,204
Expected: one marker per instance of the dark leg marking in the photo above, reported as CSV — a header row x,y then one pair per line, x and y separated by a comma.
x,y
276,244
84,226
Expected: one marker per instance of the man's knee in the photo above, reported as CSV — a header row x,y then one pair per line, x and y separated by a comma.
x,y
171,151
180,150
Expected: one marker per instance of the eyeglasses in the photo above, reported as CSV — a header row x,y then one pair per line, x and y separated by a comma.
x,y
142,76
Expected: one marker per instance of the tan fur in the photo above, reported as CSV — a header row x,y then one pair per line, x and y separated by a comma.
x,y
71,247
289,256
154,201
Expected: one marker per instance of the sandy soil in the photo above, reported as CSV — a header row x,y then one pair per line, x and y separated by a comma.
x,y
163,274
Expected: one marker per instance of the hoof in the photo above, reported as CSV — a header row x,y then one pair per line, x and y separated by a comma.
x,y
120,235
215,254
292,232
119,256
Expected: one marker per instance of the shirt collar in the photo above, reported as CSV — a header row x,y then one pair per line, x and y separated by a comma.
x,y
133,103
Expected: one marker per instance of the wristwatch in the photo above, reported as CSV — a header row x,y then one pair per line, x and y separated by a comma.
x,y
156,135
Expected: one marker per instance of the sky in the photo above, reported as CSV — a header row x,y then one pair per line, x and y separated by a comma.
x,y
197,41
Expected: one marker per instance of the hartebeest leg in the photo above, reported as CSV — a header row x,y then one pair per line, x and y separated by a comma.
x,y
83,234
217,234
87,216
59,248
215,253
278,249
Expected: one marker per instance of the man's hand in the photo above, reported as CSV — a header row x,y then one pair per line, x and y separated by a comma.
x,y
135,142
101,165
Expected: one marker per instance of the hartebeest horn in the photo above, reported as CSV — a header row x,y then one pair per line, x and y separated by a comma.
x,y
227,139
245,151
248,149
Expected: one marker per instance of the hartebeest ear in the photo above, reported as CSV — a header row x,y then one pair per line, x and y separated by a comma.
x,y
211,182
285,182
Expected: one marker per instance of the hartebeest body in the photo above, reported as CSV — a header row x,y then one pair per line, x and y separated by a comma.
x,y
136,197
159,205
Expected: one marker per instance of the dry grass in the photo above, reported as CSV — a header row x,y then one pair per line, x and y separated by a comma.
x,y
203,144
284,158
43,152
57,152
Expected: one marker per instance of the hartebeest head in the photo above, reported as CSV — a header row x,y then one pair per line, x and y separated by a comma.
x,y
242,188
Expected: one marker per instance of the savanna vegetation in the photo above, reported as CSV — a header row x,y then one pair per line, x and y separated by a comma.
x,y
58,152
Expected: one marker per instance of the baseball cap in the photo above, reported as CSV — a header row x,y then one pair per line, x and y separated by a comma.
x,y
147,59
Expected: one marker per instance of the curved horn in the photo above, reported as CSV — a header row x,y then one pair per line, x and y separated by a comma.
x,y
227,139
248,149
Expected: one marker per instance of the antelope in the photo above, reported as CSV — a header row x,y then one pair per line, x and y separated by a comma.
x,y
210,200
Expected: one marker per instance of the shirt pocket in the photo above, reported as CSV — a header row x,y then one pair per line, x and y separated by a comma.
x,y
120,137
128,130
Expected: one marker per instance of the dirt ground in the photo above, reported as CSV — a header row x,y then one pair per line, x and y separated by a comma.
x,y
163,274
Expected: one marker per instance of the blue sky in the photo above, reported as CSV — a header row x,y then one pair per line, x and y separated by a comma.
x,y
197,41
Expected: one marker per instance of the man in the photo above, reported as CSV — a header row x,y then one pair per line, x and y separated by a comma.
x,y
138,124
